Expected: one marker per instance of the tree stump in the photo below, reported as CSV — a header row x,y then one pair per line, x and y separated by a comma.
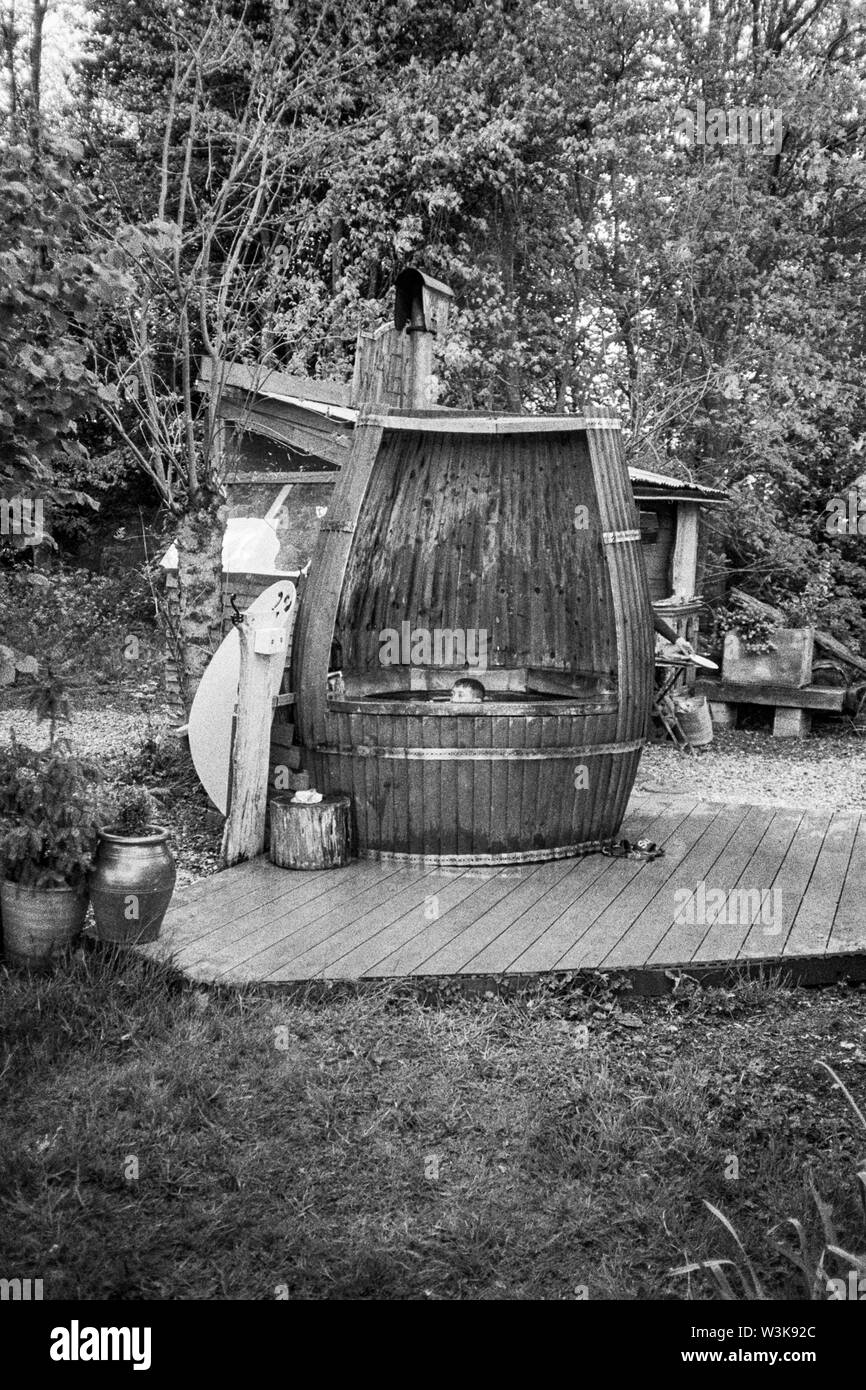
x,y
310,836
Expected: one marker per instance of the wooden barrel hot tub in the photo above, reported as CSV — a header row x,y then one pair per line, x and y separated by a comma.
x,y
504,550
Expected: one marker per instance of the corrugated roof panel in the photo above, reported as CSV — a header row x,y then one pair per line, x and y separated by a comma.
x,y
665,483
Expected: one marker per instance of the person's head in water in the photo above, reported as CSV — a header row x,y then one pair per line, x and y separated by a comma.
x,y
466,692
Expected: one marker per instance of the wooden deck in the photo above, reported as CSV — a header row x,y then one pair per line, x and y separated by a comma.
x,y
793,883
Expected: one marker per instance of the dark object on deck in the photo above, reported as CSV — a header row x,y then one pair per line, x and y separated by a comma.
x,y
501,548
632,849
310,835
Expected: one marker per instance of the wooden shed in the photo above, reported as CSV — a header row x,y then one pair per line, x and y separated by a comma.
x,y
674,543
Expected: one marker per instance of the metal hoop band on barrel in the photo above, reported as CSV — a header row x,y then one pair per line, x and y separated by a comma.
x,y
589,750
526,856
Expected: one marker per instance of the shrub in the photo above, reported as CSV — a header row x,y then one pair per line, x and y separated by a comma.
x,y
80,625
53,289
754,628
49,815
133,810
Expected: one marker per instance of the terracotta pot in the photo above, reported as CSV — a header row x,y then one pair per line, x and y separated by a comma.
x,y
40,922
131,885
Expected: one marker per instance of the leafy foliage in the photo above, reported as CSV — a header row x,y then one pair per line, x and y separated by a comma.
x,y
49,815
132,810
81,626
13,664
711,293
261,173
52,289
754,628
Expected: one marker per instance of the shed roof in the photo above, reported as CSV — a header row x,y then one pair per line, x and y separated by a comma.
x,y
648,485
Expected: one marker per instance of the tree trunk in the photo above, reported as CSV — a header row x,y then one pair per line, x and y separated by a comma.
x,y
199,577
38,13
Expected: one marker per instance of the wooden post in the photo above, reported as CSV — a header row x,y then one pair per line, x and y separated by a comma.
x,y
263,638
383,368
316,622
684,567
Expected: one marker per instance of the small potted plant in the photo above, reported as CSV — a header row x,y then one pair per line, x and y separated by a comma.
x,y
764,648
134,875
49,827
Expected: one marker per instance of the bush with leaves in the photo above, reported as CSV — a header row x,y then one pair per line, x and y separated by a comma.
x,y
80,626
754,629
49,815
132,811
814,579
52,291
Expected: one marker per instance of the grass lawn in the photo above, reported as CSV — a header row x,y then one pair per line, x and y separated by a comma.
x,y
162,1141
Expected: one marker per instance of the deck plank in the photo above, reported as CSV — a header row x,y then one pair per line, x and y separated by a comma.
x,y
235,943
326,958
368,958
848,932
256,922
526,883
650,929
226,885
753,905
289,954
545,930
268,896
409,958
296,892
535,937
684,941
788,886
607,921
500,926
812,925
645,913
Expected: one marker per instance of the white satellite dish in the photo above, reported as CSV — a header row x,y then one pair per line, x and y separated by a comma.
x,y
210,719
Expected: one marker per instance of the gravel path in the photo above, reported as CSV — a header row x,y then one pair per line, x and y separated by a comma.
x,y
104,732
824,770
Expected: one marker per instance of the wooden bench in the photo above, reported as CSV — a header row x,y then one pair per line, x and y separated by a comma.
x,y
792,706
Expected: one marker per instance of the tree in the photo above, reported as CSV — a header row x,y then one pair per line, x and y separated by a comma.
x,y
527,152
243,117
261,171
51,296
21,51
